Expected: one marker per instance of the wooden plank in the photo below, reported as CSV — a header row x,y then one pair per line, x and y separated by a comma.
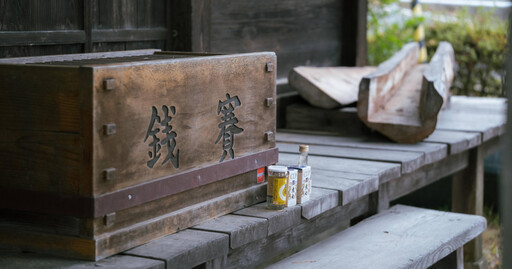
x,y
23,38
320,201
482,105
385,171
409,161
425,175
283,26
285,100
278,220
414,237
344,121
201,25
490,125
266,251
351,186
27,260
328,87
82,56
241,229
456,141
123,35
185,249
433,151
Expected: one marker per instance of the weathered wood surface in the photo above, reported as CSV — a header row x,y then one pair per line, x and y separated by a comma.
x,y
409,161
456,141
241,229
185,249
385,171
320,201
25,260
432,151
268,250
402,99
351,186
328,87
278,220
401,237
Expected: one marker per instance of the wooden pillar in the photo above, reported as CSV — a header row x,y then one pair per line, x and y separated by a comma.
x,y
467,197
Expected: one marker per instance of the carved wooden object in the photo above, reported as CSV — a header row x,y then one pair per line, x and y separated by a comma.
x,y
402,99
328,87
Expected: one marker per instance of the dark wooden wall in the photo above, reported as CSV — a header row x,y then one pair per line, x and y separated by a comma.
x,y
46,27
301,32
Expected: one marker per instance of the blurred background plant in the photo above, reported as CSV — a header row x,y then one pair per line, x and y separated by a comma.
x,y
478,38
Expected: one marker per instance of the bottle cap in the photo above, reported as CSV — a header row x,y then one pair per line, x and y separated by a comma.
x,y
278,169
303,148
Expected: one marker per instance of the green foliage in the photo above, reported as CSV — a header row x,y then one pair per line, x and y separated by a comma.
x,y
480,43
479,40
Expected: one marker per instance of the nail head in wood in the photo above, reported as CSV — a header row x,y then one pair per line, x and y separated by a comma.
x,y
109,129
269,136
269,101
109,174
109,84
270,67
109,219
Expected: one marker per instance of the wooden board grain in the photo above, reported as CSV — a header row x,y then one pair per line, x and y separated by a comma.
x,y
241,229
456,141
278,220
27,260
385,171
409,161
185,249
414,237
320,201
328,87
351,186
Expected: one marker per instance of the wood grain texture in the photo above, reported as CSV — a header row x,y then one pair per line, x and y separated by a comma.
x,y
385,171
278,220
414,237
409,161
328,87
456,141
351,186
27,260
241,229
320,201
267,251
284,27
182,83
185,249
433,152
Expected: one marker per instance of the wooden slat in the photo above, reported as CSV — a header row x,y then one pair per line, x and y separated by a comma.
x,y
402,237
124,35
27,260
241,229
385,171
456,141
433,152
320,201
24,38
82,56
277,220
185,249
351,186
265,251
409,161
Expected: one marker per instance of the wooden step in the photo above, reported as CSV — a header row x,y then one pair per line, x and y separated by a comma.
x,y
400,237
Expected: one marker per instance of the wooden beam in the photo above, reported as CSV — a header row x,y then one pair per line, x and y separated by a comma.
x,y
30,38
123,35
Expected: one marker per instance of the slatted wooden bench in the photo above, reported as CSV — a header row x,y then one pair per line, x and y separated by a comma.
x,y
400,237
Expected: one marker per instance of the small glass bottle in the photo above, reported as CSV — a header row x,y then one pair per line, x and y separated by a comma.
x,y
276,187
303,157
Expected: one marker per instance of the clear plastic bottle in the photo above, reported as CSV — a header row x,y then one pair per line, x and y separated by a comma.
x,y
276,187
303,157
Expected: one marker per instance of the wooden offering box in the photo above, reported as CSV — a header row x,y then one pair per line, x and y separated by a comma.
x,y
103,152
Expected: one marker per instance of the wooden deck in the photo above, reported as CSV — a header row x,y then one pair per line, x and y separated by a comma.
x,y
352,177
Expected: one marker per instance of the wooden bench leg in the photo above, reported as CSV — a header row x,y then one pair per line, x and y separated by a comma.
x,y
467,197
453,260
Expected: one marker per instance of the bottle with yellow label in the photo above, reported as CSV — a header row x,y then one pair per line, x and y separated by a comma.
x,y
276,188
